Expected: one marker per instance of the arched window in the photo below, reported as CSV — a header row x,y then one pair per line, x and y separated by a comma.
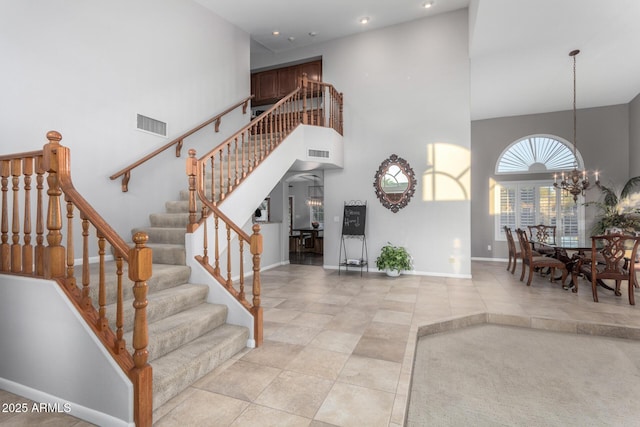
x,y
538,154
529,202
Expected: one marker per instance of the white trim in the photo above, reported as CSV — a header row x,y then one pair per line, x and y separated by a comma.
x,y
569,145
489,259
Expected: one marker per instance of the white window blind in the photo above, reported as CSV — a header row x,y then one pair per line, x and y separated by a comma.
x,y
520,204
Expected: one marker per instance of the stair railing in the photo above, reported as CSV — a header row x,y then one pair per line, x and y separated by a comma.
x,y
178,142
55,261
215,175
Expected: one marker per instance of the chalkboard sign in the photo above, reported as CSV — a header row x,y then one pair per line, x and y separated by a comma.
x,y
353,220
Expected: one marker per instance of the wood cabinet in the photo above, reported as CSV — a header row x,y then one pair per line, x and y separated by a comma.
x,y
272,85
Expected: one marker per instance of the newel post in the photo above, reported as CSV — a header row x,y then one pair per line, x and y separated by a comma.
x,y
141,375
55,158
256,249
192,169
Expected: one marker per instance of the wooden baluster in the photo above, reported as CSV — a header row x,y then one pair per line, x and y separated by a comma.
x,y
27,248
192,169
71,280
54,253
5,248
241,295
212,196
39,250
141,375
237,170
256,309
205,243
216,254
229,174
229,281
221,167
103,323
341,123
86,273
120,345
305,83
16,249
245,137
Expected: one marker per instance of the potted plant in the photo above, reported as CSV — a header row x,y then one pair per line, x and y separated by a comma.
x,y
393,260
617,211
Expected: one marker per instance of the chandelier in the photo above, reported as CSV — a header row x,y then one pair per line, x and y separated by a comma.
x,y
316,195
575,181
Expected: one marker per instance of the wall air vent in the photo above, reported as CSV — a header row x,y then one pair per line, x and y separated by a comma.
x,y
147,124
319,153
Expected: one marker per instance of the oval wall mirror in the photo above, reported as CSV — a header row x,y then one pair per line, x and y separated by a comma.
x,y
395,183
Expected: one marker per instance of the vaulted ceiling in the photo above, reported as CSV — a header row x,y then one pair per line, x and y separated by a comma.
x,y
518,48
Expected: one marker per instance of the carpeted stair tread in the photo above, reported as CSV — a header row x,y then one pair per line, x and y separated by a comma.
x,y
164,253
165,235
164,276
178,219
174,331
161,304
175,371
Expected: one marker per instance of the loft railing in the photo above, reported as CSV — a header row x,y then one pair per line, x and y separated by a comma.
x,y
215,175
178,142
52,260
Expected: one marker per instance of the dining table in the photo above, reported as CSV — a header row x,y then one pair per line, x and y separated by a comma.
x,y
560,250
310,235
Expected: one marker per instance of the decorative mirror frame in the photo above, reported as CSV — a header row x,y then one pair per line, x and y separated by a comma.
x,y
405,197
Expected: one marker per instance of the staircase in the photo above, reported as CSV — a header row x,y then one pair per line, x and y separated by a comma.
x,y
188,337
160,314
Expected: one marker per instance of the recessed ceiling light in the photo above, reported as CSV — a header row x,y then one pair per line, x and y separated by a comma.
x,y
428,4
291,38
364,20
313,33
276,33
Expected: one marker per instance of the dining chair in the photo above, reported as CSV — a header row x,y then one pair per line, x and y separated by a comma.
x,y
514,253
613,258
543,234
537,261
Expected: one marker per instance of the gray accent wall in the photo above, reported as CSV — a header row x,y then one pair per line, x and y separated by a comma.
x,y
634,137
603,141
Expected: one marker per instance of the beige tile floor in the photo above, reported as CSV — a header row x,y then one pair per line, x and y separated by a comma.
x,y
338,350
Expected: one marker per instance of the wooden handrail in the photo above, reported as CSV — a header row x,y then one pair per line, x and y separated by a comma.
x,y
126,172
227,165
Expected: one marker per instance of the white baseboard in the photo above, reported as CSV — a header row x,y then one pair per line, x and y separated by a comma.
x,y
54,404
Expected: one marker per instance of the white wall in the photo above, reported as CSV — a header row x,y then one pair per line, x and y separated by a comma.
x,y
86,68
405,101
49,354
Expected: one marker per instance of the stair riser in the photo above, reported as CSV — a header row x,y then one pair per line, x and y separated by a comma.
x,y
169,255
179,220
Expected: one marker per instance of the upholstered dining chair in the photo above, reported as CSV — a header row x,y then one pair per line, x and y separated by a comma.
x,y
534,262
514,254
543,234
514,250
612,257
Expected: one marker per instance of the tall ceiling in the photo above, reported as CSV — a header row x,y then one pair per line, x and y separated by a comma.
x,y
519,49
